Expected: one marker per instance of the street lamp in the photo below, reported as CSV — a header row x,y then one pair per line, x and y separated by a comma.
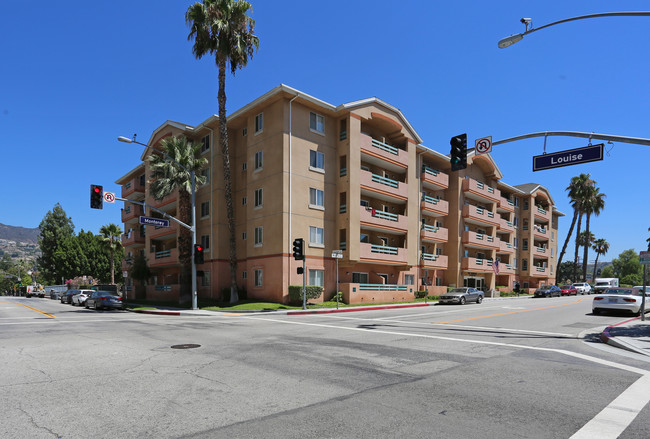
x,y
512,39
193,227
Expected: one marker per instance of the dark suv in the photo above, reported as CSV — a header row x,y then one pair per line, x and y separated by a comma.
x,y
548,291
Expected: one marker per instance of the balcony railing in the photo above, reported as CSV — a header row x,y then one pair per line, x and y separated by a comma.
x,y
163,254
343,208
429,228
481,190
382,287
430,171
384,249
343,172
343,245
384,147
386,181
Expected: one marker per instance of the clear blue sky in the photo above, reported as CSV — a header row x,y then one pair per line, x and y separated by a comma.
x,y
77,74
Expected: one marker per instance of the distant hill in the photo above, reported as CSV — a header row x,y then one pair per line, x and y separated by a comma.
x,y
19,234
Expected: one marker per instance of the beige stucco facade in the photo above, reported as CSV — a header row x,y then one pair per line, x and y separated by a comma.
x,y
354,177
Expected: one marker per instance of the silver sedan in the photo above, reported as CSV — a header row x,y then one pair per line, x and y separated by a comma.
x,y
462,296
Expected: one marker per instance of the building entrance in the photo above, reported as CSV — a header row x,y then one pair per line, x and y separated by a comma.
x,y
474,282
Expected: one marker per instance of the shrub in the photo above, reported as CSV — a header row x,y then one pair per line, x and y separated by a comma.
x,y
225,294
311,292
333,299
420,294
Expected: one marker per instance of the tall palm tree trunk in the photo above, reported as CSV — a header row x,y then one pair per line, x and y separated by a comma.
x,y
185,246
586,252
593,275
112,263
575,258
223,134
568,237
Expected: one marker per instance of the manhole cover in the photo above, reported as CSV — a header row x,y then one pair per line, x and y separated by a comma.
x,y
186,346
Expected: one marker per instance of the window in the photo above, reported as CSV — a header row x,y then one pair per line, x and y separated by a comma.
x,y
258,197
315,197
316,123
524,264
525,247
205,279
316,235
259,123
259,160
316,160
243,236
259,236
360,278
205,209
205,241
244,132
244,275
205,173
525,204
516,200
244,166
316,277
244,200
258,277
365,203
409,279
364,238
205,143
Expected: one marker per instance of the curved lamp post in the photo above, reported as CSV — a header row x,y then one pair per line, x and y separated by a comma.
x,y
512,39
193,227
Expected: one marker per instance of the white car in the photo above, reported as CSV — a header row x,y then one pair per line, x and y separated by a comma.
x,y
620,299
80,297
583,288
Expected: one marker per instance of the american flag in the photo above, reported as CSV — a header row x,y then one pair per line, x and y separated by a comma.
x,y
495,266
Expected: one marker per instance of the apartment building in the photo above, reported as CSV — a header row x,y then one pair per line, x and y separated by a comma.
x,y
354,177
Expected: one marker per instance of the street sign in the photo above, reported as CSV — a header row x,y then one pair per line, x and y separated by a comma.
x,y
644,258
109,197
484,145
147,220
337,254
569,157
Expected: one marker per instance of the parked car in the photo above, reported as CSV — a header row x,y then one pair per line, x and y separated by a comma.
x,y
104,299
582,287
619,299
462,296
80,297
548,291
67,296
56,295
568,290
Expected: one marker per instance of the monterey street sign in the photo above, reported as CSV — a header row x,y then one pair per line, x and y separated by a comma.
x,y
569,157
147,220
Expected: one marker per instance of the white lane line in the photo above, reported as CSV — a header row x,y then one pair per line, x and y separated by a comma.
x,y
455,311
619,414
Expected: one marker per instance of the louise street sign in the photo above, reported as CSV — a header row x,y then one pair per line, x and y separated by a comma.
x,y
147,220
569,157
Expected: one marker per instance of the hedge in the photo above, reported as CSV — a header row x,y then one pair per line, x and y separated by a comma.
x,y
311,292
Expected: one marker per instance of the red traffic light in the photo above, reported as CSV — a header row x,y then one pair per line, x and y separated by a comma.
x,y
199,248
96,189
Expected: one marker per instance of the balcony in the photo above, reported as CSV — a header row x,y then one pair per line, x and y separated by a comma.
x,y
434,234
380,220
131,212
541,232
479,240
542,214
541,252
381,254
434,206
164,258
428,260
166,201
506,268
433,178
480,191
476,264
132,187
382,154
479,216
155,232
506,226
382,187
506,205
536,271
505,247
134,238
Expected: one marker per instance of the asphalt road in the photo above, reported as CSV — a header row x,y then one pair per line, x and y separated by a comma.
x,y
513,368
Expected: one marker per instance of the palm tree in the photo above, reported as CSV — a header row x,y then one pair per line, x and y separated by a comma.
x,y
111,234
575,188
222,28
601,247
167,177
594,203
585,239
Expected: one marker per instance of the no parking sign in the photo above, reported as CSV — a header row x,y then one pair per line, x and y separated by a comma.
x,y
109,197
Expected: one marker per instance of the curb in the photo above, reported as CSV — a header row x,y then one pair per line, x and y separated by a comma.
x,y
607,337
358,308
156,311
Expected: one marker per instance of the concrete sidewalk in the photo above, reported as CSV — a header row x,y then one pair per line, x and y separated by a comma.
x,y
632,335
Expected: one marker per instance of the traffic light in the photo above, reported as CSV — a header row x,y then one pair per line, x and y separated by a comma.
x,y
298,246
458,152
198,254
96,196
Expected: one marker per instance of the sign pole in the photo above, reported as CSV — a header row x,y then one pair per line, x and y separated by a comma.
x,y
643,293
304,293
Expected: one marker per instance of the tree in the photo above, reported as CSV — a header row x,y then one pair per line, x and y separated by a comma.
x,y
575,189
601,247
564,272
593,204
627,264
140,271
167,177
112,235
222,28
585,239
55,227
